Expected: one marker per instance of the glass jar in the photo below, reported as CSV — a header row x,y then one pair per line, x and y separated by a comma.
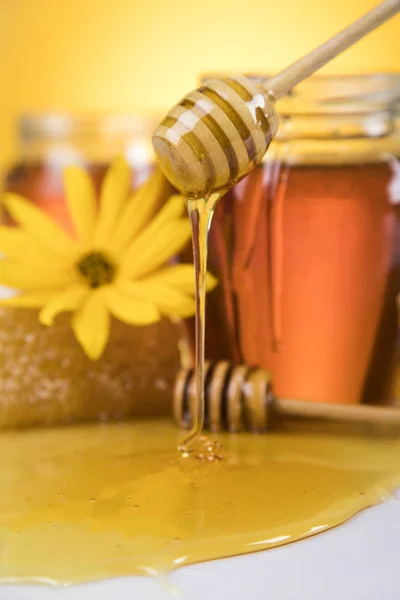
x,y
45,377
307,248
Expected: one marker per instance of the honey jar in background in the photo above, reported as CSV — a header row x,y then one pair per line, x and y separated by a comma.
x,y
45,376
307,248
48,143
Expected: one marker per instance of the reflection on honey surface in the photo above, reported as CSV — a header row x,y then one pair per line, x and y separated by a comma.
x,y
90,502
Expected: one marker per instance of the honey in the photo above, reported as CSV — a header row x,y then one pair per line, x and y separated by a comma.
x,y
91,502
201,211
309,276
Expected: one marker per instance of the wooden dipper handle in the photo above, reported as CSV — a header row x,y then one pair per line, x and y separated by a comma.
x,y
282,83
360,414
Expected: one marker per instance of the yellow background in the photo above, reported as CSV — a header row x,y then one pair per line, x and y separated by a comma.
x,y
127,55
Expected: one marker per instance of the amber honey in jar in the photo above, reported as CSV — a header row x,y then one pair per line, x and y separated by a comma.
x,y
307,248
45,376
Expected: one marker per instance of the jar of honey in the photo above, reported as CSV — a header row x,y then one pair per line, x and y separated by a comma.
x,y
45,376
48,143
307,248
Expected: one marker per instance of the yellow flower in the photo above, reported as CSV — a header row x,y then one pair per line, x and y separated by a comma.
x,y
115,263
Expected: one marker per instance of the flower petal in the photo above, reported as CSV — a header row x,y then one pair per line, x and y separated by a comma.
x,y
129,309
81,201
16,243
140,208
34,299
68,299
173,209
39,225
114,195
148,252
168,300
18,275
180,277
91,325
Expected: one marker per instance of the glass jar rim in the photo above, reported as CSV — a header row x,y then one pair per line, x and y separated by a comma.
x,y
357,93
67,138
59,126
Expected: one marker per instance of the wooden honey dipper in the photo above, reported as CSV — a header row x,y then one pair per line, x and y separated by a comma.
x,y
240,397
217,134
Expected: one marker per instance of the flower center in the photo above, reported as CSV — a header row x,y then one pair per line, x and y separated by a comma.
x,y
97,269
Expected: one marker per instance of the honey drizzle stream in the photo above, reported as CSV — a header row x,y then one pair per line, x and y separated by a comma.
x,y
201,211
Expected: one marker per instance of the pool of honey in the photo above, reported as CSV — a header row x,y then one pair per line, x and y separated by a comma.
x,y
96,501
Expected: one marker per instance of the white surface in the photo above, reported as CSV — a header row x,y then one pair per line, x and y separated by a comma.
x,y
359,560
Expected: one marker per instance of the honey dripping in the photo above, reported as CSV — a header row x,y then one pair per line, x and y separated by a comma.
x,y
212,139
200,213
